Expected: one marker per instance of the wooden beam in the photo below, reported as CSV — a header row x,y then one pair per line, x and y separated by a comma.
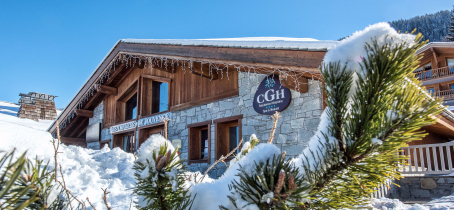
x,y
82,131
108,90
77,128
203,70
435,58
76,141
84,113
300,84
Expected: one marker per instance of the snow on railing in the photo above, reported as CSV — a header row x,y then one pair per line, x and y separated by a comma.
x,y
428,159
435,73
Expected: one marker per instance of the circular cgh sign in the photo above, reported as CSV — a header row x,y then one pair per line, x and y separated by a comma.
x,y
271,96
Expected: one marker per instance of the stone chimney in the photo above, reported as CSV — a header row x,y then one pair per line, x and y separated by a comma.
x,y
37,106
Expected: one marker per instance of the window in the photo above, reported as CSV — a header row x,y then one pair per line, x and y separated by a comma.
x,y
155,95
450,61
228,135
131,108
160,97
199,147
127,103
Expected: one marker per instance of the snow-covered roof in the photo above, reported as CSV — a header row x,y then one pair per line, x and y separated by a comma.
x,y
435,44
308,44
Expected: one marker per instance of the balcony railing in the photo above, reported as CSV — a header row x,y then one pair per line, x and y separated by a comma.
x,y
428,159
446,94
435,73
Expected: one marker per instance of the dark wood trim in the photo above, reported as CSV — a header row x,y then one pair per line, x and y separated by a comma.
x,y
239,119
193,125
232,118
108,90
205,100
152,125
159,79
105,141
197,161
76,130
84,113
209,144
82,131
118,123
75,141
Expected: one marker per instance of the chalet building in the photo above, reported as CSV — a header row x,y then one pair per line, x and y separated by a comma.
x,y
215,92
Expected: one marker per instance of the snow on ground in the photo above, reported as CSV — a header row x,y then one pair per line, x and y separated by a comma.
x,y
85,171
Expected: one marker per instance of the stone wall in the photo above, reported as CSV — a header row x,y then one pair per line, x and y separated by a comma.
x,y
298,123
422,188
34,112
98,116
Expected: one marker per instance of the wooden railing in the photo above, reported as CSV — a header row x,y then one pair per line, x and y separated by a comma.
x,y
446,94
435,73
428,159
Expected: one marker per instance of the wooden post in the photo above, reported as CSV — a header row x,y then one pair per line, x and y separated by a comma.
x,y
275,117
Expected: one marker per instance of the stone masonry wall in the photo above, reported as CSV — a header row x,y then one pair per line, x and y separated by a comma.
x,y
422,188
298,123
98,116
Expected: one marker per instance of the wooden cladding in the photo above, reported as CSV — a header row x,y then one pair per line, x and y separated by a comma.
x,y
184,90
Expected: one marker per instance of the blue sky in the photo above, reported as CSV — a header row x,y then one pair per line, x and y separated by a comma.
x,y
53,46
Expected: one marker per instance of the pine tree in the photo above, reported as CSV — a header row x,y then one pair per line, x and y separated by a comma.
x,y
160,182
450,36
371,114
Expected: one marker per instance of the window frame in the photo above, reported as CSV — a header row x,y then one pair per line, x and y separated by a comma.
x,y
222,122
447,58
142,96
120,103
198,127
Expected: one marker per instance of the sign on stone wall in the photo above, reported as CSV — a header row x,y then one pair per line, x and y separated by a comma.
x,y
123,127
271,96
154,119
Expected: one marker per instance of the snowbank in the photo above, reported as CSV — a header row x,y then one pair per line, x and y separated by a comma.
x,y
212,194
85,171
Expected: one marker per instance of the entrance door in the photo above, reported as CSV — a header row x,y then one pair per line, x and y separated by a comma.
x,y
145,133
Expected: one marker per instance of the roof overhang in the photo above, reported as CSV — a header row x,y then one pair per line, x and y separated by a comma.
x,y
299,60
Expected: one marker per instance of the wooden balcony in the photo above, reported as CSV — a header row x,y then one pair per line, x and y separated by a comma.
x,y
428,159
435,73
445,94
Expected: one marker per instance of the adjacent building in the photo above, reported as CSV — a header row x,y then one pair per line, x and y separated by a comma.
x,y
37,106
